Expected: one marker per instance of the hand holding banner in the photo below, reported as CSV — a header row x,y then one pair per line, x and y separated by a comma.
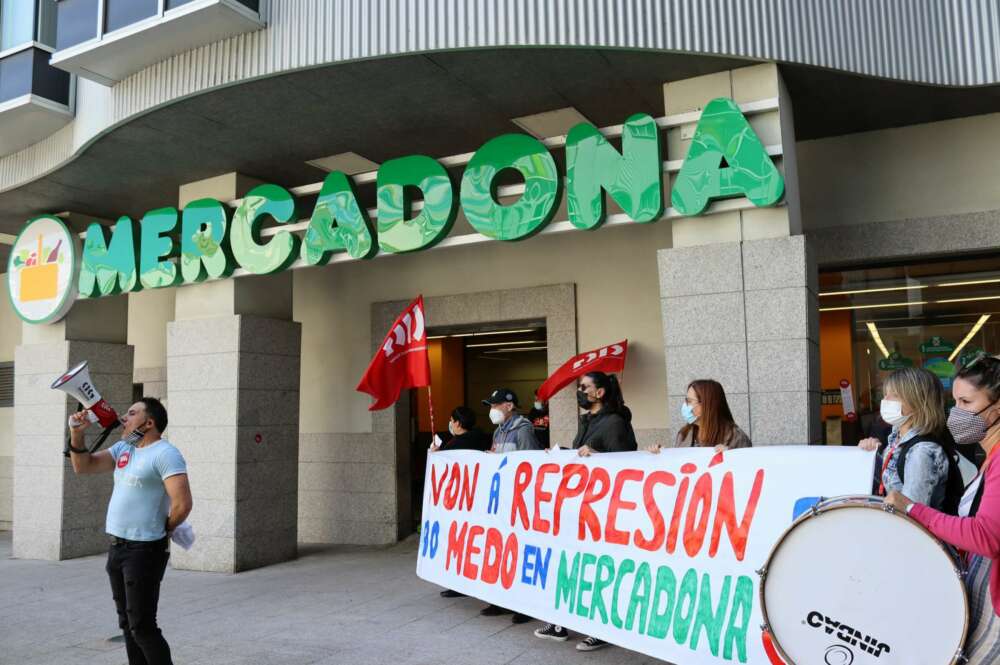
x,y
609,359
401,361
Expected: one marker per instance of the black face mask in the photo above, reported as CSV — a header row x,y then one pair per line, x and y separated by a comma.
x,y
583,400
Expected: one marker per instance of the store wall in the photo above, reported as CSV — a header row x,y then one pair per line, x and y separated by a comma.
x,y
941,168
148,314
10,337
344,457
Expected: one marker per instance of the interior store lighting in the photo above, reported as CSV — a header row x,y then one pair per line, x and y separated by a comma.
x,y
972,333
492,332
485,344
914,287
890,304
876,290
873,329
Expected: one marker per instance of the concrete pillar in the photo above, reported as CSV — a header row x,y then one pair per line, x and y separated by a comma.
x,y
233,368
738,288
57,514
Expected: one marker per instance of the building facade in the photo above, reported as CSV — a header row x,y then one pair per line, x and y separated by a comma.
x,y
819,211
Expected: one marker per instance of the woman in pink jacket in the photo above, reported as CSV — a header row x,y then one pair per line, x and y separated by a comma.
x,y
976,529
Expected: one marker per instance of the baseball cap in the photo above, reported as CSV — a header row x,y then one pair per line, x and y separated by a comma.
x,y
499,396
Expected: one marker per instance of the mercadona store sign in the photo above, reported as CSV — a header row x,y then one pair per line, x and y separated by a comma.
x,y
47,270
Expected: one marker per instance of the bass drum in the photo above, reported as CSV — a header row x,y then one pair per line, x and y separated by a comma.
x,y
853,583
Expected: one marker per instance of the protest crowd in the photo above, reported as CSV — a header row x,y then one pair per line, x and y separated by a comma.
x,y
919,450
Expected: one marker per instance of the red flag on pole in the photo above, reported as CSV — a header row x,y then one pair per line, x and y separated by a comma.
x,y
610,358
401,361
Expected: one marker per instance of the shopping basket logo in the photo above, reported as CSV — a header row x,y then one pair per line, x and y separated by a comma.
x,y
42,270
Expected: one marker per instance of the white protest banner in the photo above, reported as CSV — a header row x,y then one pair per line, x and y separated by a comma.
x,y
655,553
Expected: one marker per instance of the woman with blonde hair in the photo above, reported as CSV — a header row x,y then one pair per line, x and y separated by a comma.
x,y
920,455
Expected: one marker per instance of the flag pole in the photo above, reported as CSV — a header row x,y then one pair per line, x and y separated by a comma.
x,y
430,407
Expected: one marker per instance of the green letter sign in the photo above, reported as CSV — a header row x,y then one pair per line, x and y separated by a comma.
x,y
337,223
204,241
725,159
723,133
280,250
109,268
397,232
541,187
632,178
154,243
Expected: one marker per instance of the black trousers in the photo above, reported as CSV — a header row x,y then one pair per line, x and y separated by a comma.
x,y
136,570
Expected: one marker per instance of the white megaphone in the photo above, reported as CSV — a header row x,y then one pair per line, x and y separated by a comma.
x,y
76,383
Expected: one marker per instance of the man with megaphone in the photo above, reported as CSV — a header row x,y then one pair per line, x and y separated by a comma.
x,y
151,498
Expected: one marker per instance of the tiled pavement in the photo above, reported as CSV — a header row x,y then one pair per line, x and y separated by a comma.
x,y
350,605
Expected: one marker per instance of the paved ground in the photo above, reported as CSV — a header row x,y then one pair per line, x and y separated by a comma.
x,y
350,605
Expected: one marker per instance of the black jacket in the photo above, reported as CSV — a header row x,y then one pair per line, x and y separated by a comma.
x,y
605,433
473,439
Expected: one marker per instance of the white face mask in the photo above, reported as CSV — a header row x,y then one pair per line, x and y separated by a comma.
x,y
496,416
451,428
892,412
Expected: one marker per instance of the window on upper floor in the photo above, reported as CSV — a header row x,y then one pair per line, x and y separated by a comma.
x,y
17,23
109,40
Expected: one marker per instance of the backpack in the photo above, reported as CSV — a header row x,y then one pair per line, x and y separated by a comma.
x,y
954,486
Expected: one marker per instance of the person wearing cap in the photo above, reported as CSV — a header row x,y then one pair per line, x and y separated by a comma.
x,y
514,431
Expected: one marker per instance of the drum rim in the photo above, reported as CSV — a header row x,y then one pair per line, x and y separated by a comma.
x,y
828,504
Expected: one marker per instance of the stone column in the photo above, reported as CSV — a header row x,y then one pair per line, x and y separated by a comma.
x,y
738,288
57,514
233,390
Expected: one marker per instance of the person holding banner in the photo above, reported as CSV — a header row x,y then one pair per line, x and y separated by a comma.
x,y
920,459
514,432
605,427
464,433
708,419
606,424
976,528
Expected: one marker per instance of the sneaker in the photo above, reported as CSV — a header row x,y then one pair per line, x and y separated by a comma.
x,y
550,631
520,618
448,593
493,611
591,644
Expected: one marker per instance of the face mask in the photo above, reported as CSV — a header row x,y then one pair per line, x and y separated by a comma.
x,y
496,416
135,436
582,400
687,413
538,406
892,412
451,428
967,427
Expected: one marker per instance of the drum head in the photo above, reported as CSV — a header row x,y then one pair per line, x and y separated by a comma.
x,y
855,585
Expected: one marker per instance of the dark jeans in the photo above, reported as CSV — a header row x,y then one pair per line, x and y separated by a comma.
x,y
136,570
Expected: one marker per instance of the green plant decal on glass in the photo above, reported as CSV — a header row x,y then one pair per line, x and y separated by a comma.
x,y
397,231
633,178
723,133
204,241
278,252
109,268
154,244
541,187
337,223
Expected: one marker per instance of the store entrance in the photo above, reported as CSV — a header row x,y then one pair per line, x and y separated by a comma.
x,y
934,314
467,364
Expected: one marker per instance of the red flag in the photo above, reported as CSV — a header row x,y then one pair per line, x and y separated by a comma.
x,y
610,358
401,361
